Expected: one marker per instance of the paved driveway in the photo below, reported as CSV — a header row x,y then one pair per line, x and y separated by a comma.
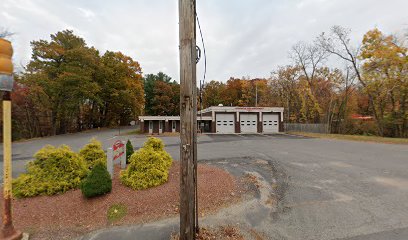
x,y
333,189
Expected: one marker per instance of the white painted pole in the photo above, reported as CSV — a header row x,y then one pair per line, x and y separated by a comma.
x,y
109,161
123,161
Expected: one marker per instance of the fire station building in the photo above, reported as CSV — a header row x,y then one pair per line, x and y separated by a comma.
x,y
221,119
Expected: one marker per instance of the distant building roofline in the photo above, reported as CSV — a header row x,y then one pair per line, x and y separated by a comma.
x,y
241,109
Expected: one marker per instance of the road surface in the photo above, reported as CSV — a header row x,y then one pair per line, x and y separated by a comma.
x,y
329,189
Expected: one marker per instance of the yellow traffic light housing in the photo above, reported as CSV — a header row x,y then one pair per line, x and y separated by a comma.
x,y
6,65
6,52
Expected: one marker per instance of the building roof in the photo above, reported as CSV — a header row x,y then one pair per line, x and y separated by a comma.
x,y
241,109
170,118
218,109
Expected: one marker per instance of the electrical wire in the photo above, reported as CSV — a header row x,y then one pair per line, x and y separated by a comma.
x,y
202,82
204,52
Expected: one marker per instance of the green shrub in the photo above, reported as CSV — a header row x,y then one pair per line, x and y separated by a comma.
x,y
129,151
93,153
98,182
149,166
54,170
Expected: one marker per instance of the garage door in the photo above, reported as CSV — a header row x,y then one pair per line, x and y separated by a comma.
x,y
270,123
225,123
248,123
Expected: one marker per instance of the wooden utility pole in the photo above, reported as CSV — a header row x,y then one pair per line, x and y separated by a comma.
x,y
188,119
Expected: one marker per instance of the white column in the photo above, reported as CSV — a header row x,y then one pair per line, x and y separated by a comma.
x,y
123,160
109,161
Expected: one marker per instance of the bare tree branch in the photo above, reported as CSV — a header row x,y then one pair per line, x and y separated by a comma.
x,y
5,33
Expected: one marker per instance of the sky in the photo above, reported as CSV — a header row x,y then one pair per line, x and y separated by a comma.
x,y
242,37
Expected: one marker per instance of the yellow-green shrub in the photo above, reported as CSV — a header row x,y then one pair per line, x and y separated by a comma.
x,y
93,153
155,143
54,170
149,166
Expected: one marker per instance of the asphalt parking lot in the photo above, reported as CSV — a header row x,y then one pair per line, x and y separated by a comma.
x,y
333,189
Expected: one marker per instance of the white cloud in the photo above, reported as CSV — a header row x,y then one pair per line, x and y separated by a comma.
x,y
87,13
242,37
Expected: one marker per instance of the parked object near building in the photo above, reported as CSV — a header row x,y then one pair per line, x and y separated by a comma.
x,y
223,120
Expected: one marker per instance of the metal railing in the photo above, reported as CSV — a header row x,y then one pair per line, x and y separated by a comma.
x,y
306,127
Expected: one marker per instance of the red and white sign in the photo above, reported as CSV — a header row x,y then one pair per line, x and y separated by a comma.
x,y
118,150
249,109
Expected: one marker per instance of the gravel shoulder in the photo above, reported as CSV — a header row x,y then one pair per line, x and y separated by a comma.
x,y
360,138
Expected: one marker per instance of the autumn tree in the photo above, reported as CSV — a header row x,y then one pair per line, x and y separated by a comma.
x,y
233,93
164,102
373,64
385,69
213,93
63,68
263,92
150,82
121,98
67,86
337,43
309,58
27,120
247,92
342,101
284,85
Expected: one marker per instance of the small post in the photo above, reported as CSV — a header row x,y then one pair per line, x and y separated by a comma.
x,y
109,161
256,94
119,126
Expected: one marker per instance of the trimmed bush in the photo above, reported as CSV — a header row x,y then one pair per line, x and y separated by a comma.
x,y
129,151
93,153
155,143
149,166
98,182
54,170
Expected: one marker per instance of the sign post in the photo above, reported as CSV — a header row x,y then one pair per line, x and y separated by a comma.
x,y
6,85
116,154
119,153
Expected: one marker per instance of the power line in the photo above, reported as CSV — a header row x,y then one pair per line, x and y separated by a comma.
x,y
204,52
201,108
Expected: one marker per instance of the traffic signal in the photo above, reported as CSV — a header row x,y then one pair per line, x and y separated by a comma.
x,y
6,65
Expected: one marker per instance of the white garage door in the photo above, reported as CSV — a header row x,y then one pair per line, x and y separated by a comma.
x,y
248,123
270,123
225,123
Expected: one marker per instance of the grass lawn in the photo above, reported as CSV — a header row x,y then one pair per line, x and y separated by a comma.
x,y
133,132
355,137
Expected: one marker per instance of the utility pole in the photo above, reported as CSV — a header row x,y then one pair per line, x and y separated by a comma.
x,y
6,85
188,119
256,94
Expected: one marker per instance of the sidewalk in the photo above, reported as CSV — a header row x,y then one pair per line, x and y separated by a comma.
x,y
161,230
